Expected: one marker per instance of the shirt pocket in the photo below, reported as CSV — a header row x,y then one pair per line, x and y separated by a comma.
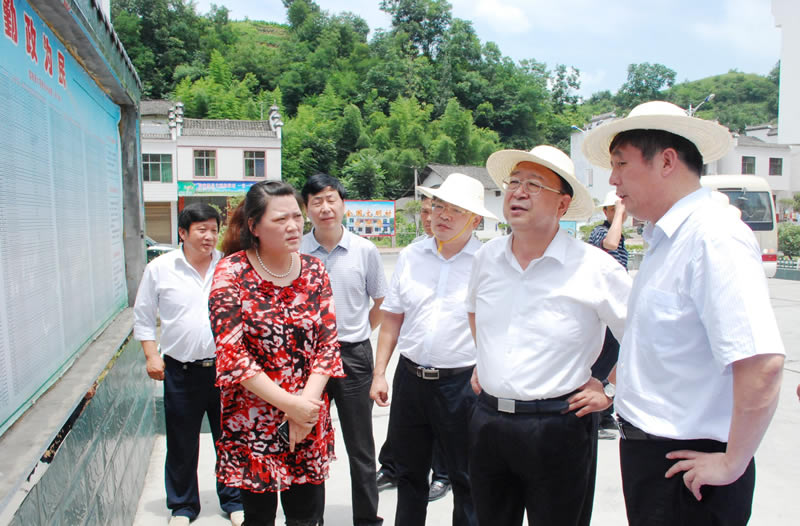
x,y
664,328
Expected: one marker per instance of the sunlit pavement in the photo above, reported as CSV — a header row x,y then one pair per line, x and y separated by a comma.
x,y
777,462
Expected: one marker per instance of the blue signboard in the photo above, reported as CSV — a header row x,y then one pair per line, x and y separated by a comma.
x,y
369,218
213,188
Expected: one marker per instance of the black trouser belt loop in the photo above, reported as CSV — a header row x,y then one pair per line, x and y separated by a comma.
x,y
629,431
432,373
507,405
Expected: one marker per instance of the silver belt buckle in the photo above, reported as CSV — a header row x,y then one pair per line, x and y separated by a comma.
x,y
505,405
428,373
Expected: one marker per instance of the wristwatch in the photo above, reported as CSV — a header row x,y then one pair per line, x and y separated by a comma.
x,y
609,389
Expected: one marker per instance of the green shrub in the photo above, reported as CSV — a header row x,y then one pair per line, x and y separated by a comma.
x,y
789,239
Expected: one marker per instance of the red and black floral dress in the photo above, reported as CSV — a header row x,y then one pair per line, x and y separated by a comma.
x,y
288,333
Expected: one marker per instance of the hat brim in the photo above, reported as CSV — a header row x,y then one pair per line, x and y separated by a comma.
x,y
711,139
500,164
454,200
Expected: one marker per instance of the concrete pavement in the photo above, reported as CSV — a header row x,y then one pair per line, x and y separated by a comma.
x,y
778,462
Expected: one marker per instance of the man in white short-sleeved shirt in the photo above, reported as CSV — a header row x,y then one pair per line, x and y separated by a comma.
x,y
356,272
175,288
539,303
425,320
700,364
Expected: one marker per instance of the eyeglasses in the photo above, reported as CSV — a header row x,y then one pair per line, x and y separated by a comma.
x,y
529,185
441,208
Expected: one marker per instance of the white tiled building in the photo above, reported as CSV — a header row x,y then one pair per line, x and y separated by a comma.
x,y
185,160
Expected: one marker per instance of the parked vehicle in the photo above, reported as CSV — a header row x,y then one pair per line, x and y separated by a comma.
x,y
753,197
155,249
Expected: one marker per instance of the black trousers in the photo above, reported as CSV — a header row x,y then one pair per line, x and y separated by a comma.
x,y
303,504
438,468
351,396
652,500
386,456
189,393
544,464
423,411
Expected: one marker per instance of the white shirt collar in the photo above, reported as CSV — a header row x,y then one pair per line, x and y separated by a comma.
x,y
344,241
556,250
675,216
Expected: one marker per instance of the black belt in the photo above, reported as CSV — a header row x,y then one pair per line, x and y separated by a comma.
x,y
629,431
507,405
205,362
432,373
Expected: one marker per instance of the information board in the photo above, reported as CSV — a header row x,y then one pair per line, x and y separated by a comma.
x,y
369,218
62,270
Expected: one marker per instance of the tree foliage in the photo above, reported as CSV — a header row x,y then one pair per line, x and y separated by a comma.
x,y
375,110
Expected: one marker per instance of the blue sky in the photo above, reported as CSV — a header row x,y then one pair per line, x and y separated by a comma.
x,y
696,39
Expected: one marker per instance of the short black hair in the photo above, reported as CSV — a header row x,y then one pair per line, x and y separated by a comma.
x,y
651,142
196,213
319,182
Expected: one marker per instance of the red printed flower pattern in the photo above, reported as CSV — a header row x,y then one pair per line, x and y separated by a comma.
x,y
288,333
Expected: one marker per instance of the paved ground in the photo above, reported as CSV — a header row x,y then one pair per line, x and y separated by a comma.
x,y
778,462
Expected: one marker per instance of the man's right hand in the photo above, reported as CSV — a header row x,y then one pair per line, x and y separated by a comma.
x,y
380,390
155,367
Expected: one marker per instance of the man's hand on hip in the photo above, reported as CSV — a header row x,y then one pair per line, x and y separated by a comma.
x,y
590,398
703,469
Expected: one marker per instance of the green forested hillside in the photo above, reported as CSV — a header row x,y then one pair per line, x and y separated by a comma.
x,y
371,111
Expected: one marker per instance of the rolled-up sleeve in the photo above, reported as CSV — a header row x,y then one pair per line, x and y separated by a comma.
x,y
234,362
145,309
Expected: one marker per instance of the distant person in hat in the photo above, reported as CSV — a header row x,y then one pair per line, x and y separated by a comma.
x,y
539,303
608,237
425,320
700,365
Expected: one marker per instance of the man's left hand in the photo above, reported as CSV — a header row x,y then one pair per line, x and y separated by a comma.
x,y
713,469
590,398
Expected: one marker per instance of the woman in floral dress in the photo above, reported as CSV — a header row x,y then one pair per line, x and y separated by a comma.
x,y
273,320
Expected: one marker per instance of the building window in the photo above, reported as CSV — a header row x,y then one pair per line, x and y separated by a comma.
x,y
157,167
775,166
748,165
205,163
254,164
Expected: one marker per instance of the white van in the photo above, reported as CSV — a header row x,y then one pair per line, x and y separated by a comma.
x,y
753,197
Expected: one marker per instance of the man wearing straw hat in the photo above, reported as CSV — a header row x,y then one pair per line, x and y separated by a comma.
x,y
425,320
701,361
539,303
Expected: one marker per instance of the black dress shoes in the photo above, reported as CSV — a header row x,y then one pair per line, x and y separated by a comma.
x,y
385,481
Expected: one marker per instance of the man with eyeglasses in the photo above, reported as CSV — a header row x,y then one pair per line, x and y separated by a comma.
x,y
539,302
426,321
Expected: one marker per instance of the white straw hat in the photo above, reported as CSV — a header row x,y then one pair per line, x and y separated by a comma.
x,y
500,164
610,200
712,140
460,190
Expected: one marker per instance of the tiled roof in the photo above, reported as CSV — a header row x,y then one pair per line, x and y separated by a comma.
x,y
744,140
226,128
476,172
155,107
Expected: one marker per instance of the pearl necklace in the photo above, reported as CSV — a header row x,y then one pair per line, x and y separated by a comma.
x,y
291,266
